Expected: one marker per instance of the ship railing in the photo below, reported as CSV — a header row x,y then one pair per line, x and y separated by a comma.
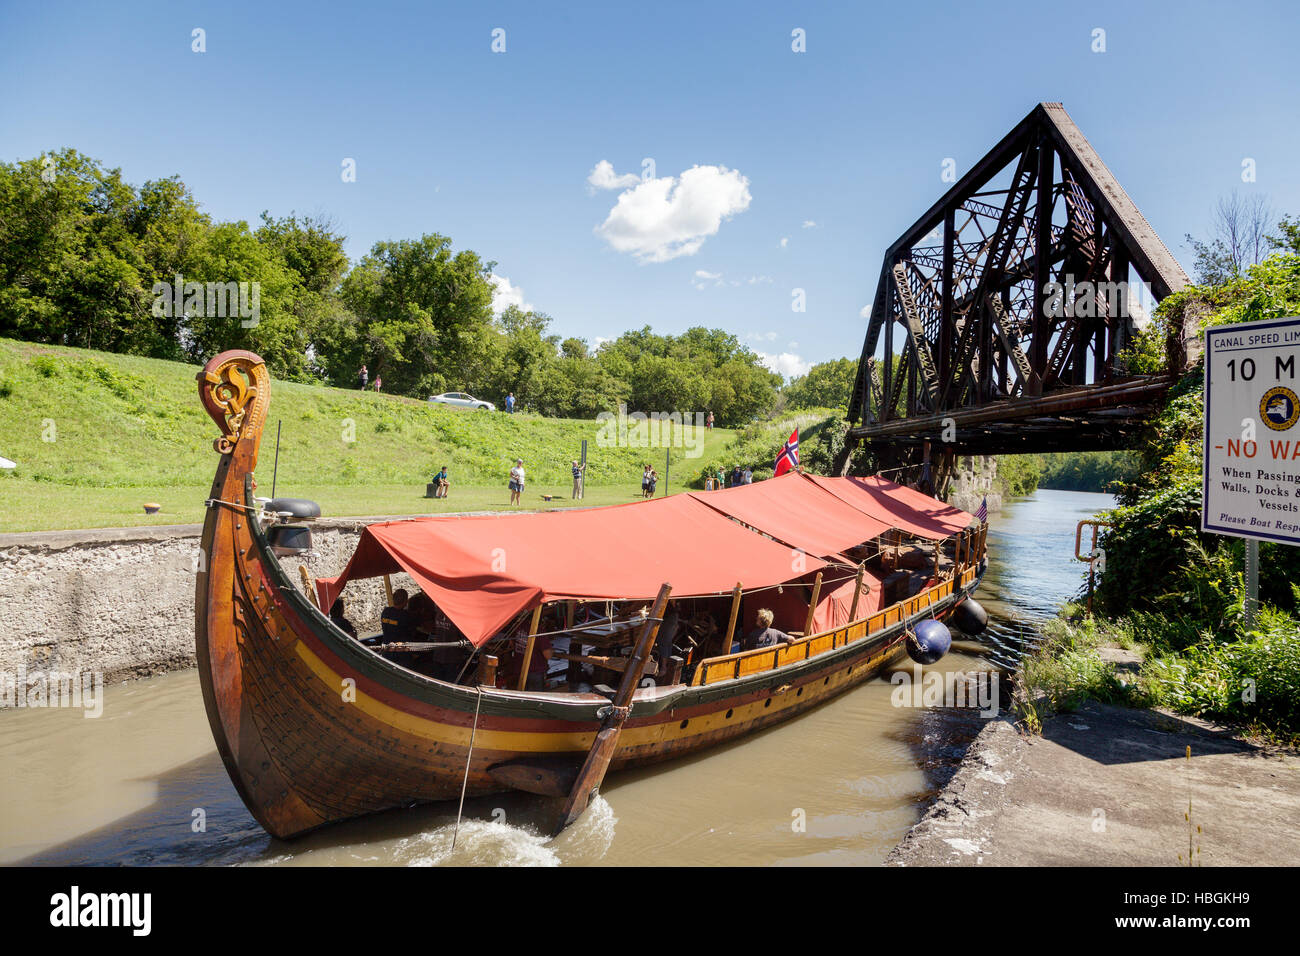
x,y
969,551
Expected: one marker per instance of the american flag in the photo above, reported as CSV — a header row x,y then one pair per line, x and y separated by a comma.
x,y
982,512
789,457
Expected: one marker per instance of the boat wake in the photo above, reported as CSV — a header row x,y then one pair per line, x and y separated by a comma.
x,y
497,843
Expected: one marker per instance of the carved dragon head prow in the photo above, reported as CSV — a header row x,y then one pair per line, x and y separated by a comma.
x,y
235,388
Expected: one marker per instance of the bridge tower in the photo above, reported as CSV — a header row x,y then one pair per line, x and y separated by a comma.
x,y
1001,314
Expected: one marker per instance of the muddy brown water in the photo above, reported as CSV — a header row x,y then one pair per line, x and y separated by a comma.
x,y
142,783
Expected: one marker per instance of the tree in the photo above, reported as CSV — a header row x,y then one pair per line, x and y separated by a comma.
x,y
422,317
826,385
1239,238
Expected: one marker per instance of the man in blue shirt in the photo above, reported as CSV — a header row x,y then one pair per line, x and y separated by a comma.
x,y
397,621
510,403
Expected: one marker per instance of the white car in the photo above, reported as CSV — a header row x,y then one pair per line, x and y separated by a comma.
x,y
462,400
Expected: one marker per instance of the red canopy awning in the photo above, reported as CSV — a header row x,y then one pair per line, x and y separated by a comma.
x,y
796,512
483,570
900,507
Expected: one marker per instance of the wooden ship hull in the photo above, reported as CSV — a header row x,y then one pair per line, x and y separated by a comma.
x,y
314,727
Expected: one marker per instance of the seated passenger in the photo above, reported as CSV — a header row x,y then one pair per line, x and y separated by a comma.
x,y
337,610
764,635
397,620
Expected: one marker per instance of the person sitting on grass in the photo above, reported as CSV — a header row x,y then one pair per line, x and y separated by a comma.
x,y
764,635
441,483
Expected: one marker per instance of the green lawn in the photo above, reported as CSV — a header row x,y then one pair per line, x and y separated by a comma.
x,y
38,506
96,435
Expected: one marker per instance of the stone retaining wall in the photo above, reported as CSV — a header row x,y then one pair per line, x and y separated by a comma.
x,y
121,601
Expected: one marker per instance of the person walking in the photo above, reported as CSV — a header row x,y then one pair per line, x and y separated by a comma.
x,y
363,377
510,404
709,422
578,470
516,481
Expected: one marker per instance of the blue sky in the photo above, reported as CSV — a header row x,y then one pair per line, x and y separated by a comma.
x,y
495,149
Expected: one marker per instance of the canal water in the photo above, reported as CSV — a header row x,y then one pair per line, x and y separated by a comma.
x,y
142,784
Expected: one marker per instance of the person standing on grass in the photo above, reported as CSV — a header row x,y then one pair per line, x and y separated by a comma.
x,y
379,382
516,481
645,482
709,423
363,377
578,470
510,404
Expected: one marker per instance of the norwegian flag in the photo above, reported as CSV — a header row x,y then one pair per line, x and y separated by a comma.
x,y
789,457
982,512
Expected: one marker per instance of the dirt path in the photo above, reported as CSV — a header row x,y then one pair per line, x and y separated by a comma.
x,y
1110,786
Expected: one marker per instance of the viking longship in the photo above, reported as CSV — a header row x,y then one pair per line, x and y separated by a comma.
x,y
557,645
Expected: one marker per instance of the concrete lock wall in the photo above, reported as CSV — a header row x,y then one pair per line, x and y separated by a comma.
x,y
974,478
121,601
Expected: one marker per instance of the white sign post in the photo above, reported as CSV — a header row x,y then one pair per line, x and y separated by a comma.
x,y
1252,437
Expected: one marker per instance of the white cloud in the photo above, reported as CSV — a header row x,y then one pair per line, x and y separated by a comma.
x,y
785,241
763,336
755,280
703,278
504,295
787,363
809,224
602,176
865,312
663,218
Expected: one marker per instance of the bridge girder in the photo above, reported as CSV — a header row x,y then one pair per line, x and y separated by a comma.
x,y
1011,294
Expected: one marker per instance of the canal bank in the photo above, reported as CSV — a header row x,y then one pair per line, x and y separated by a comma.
x,y
1112,786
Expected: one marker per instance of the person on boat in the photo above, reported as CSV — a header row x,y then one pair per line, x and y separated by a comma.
x,y
517,481
441,483
719,483
397,620
764,635
737,478
748,476
338,616
578,470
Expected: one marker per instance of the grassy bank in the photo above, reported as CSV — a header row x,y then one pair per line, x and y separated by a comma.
x,y
96,435
1250,680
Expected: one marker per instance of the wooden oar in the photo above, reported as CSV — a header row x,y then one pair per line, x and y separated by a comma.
x,y
602,750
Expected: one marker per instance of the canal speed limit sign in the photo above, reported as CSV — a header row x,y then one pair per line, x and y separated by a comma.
x,y
1252,430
